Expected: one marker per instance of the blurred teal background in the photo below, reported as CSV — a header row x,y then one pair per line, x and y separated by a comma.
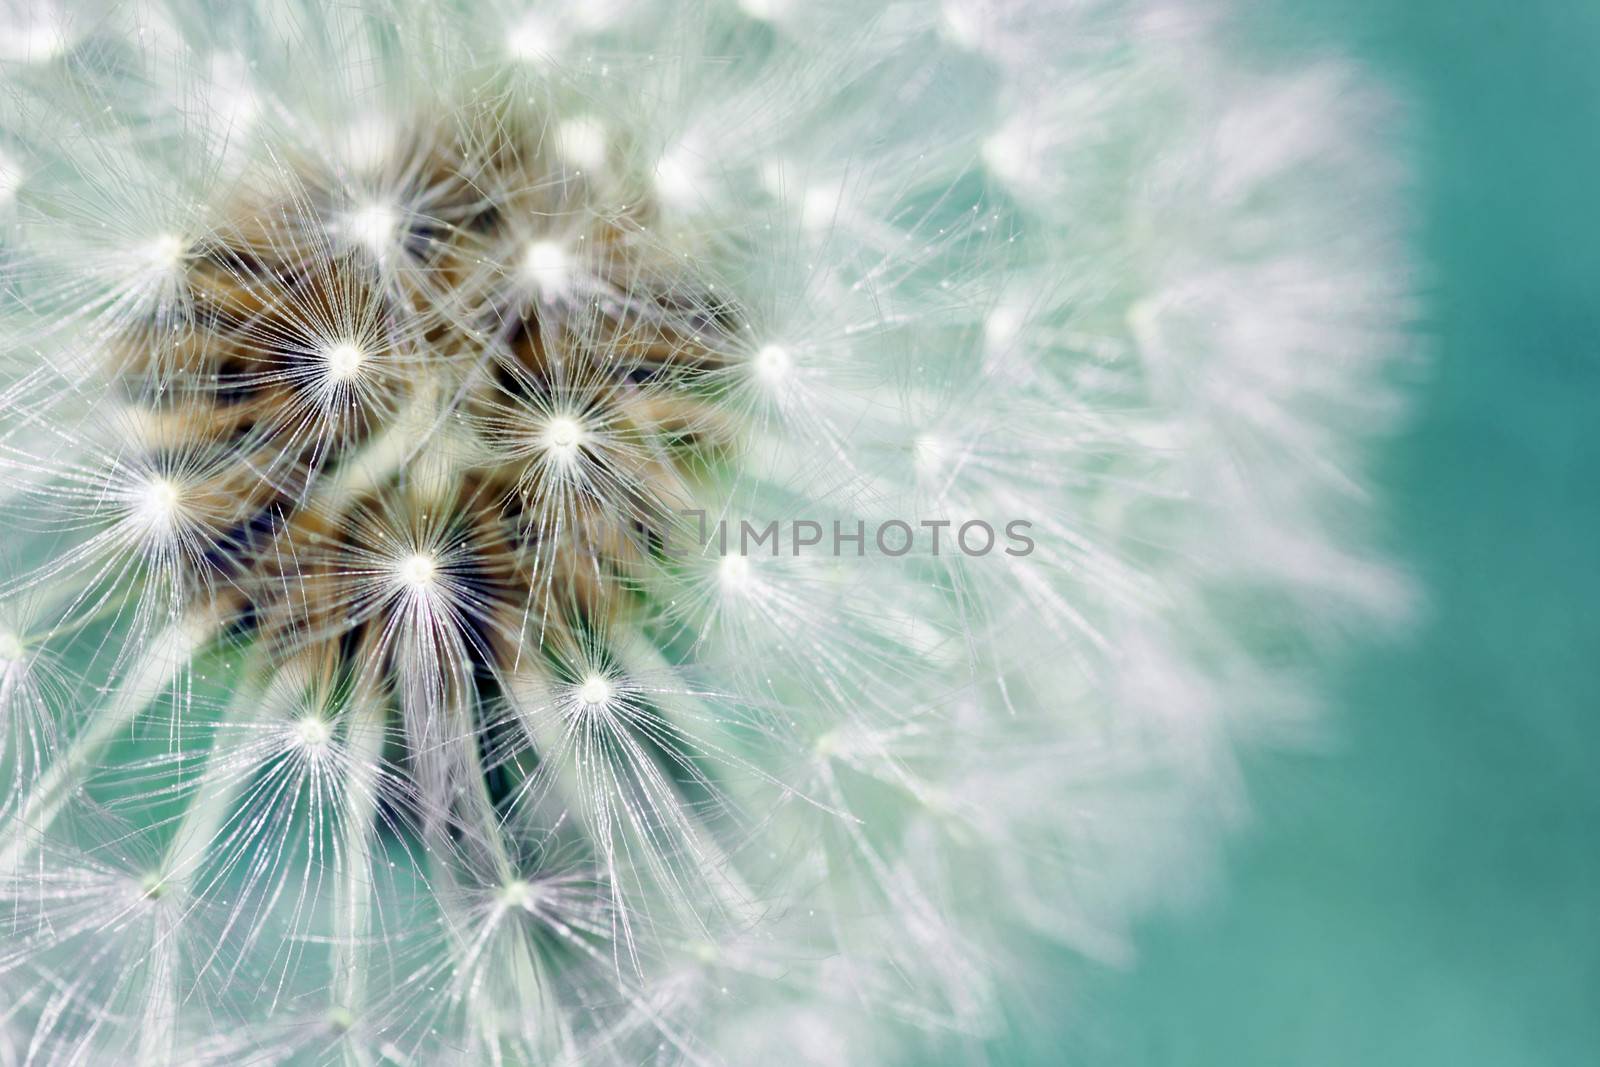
x,y
1428,891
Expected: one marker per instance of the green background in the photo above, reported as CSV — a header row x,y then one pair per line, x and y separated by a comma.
x,y
1428,890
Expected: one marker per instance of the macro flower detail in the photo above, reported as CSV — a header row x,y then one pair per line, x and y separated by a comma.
x,y
651,533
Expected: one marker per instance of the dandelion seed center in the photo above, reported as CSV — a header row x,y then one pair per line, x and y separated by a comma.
x,y
772,364
313,732
582,142
734,573
158,502
11,650
546,265
417,571
166,252
520,894
562,435
1007,152
426,483
344,361
373,226
532,40
930,454
1001,327
594,690
820,207
678,177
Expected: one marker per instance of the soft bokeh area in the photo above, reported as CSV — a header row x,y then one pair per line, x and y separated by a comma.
x,y
1425,891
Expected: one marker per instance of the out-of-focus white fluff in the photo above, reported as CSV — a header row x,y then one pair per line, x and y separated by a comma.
x,y
1082,264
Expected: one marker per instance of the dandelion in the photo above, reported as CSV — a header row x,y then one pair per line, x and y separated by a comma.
x,y
632,532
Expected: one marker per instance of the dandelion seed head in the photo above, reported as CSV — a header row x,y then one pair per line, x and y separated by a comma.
x,y
765,10
157,504
164,253
1009,152
343,361
417,571
519,893
373,226
312,731
533,39
562,436
734,574
547,265
931,454
595,690
369,373
582,142
680,177
1002,326
820,208
772,365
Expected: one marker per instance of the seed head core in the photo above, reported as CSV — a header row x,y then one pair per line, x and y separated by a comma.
x,y
562,435
158,502
734,573
373,226
343,361
165,253
547,265
418,570
595,690
772,364
313,731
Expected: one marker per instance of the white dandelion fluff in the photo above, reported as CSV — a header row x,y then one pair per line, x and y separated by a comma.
x,y
652,533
